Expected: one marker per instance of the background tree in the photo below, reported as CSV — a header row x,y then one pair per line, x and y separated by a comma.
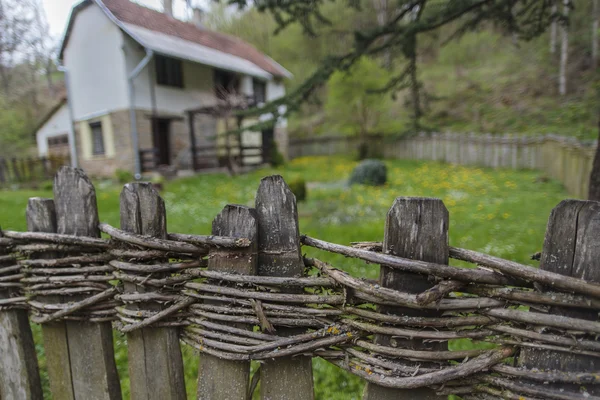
x,y
353,108
27,73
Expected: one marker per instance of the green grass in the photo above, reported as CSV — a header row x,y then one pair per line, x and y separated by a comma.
x,y
500,212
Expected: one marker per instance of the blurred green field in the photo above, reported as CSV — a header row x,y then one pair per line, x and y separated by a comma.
x,y
500,212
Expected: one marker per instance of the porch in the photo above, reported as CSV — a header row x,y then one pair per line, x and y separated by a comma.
x,y
208,143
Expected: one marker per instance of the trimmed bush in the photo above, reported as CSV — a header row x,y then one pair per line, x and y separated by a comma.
x,y
298,187
369,172
123,176
277,159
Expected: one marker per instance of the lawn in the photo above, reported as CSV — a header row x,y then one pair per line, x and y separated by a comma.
x,y
500,212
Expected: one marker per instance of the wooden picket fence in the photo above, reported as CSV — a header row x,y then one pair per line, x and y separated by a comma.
x,y
567,160
245,292
19,170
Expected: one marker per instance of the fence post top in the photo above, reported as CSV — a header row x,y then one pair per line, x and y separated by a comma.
x,y
403,200
236,221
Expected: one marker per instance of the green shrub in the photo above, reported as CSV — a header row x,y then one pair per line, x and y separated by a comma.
x,y
298,187
47,185
277,159
123,176
369,172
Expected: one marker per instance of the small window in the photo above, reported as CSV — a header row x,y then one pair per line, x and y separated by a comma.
x,y
169,71
260,90
97,138
57,141
225,83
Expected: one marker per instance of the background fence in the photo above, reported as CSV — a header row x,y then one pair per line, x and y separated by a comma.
x,y
565,159
246,293
29,169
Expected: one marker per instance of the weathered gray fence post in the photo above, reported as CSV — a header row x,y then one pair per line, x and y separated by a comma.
x,y
82,351
279,255
155,363
571,248
19,374
217,378
415,228
41,217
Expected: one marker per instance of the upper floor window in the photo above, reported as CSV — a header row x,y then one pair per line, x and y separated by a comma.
x,y
260,90
169,71
225,83
97,138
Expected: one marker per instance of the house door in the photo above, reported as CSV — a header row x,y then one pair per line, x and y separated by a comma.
x,y
162,143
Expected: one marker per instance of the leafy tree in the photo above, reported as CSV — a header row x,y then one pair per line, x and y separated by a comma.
x,y
352,107
408,20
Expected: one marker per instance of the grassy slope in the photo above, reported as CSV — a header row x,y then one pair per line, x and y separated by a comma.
x,y
499,212
486,83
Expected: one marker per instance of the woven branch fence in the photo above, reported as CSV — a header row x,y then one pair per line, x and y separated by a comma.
x,y
245,293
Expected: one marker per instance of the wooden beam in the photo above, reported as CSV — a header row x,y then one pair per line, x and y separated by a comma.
x,y
415,228
155,363
279,255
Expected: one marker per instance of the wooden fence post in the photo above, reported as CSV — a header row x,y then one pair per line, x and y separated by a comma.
x,y
415,228
571,249
41,217
279,255
217,378
155,363
19,374
89,346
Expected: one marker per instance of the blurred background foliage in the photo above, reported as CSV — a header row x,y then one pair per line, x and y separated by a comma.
x,y
486,81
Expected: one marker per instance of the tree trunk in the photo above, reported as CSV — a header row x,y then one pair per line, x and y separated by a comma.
x,y
564,52
594,188
553,30
594,34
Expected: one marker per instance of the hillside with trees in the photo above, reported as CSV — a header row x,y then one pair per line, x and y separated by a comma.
x,y
30,84
481,75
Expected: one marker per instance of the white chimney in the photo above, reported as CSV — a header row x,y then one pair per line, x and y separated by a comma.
x,y
198,17
168,7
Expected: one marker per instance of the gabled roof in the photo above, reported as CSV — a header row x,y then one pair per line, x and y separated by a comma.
x,y
169,36
62,101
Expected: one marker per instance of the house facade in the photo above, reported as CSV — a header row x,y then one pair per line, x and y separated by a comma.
x,y
133,74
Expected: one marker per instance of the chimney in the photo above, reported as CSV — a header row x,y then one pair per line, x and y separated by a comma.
x,y
198,17
168,7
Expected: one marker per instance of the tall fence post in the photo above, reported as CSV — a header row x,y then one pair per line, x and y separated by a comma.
x,y
279,255
571,249
218,378
155,363
19,374
41,217
89,346
415,228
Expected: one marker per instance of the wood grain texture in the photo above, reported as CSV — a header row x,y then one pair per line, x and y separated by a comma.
x,y
571,248
90,345
155,362
19,373
415,228
217,378
279,255
41,217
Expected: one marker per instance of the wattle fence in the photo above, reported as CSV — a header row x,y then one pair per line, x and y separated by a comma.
x,y
245,292
565,159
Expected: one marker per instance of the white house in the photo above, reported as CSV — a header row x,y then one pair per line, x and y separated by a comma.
x,y
52,133
133,74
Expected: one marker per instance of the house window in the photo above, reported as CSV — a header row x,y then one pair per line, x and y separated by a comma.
x,y
97,138
58,141
169,71
225,83
260,90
